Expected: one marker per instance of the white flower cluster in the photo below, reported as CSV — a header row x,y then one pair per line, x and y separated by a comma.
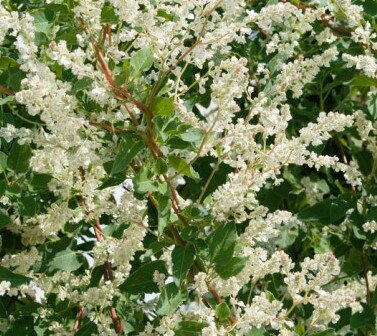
x,y
30,290
312,190
316,134
37,229
315,273
238,194
367,129
74,60
22,262
230,80
362,62
120,252
10,132
74,146
262,229
294,75
90,13
370,226
4,287
272,18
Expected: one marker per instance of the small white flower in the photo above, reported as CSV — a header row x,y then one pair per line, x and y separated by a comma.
x,y
4,287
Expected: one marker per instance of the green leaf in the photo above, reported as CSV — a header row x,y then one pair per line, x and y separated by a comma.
x,y
142,60
39,182
108,15
176,142
3,187
15,279
28,206
365,162
14,189
163,106
222,243
82,84
141,281
234,266
340,206
222,311
370,7
19,157
161,166
21,326
372,105
122,78
363,318
7,62
41,22
3,161
112,181
182,167
287,236
87,329
59,13
66,260
164,211
352,263
96,276
362,80
190,328
192,135
329,210
256,332
327,332
183,258
129,148
167,16
143,182
3,310
171,297
319,211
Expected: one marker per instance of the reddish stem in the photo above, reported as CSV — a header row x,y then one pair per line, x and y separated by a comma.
x,y
123,93
7,91
232,319
108,128
79,317
108,272
365,275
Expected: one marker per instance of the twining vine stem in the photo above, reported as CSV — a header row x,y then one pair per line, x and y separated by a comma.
x,y
108,272
122,93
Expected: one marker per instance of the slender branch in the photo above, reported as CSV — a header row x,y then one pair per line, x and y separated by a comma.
x,y
365,275
172,190
338,30
108,128
117,321
31,122
343,156
10,92
198,265
108,272
106,32
207,13
123,93
7,91
232,319
205,187
79,317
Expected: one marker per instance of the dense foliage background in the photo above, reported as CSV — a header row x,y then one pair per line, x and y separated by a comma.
x,y
192,167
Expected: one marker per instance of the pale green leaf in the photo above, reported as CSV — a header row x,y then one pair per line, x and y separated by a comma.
x,y
142,60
